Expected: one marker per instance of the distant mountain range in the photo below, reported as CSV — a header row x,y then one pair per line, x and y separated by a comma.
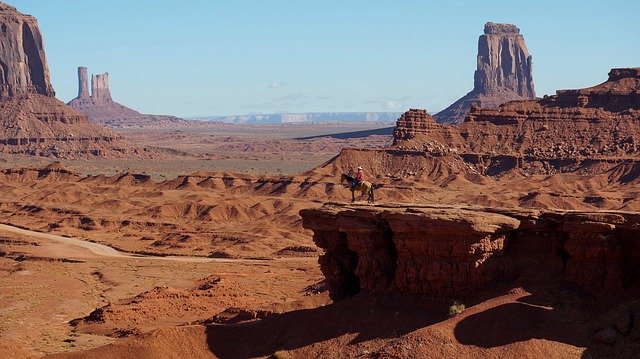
x,y
307,117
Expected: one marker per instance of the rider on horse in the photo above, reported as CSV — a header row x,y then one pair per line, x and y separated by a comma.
x,y
358,178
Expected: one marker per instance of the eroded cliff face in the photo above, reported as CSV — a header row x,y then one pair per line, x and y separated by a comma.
x,y
23,65
589,130
32,120
504,73
504,63
452,252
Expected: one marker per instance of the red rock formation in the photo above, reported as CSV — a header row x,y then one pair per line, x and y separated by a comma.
x,y
573,130
504,73
418,123
83,85
596,123
453,252
23,65
44,126
100,92
32,121
102,109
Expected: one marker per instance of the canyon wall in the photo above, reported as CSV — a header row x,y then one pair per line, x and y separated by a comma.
x,y
454,253
23,65
504,73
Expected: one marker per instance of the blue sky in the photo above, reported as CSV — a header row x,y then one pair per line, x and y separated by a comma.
x,y
218,57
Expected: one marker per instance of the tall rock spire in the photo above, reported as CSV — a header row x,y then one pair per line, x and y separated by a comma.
x,y
83,83
504,73
504,63
100,92
23,65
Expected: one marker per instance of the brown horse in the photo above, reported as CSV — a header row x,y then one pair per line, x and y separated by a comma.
x,y
365,187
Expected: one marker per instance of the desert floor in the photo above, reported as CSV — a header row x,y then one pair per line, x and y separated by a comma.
x,y
209,234
46,282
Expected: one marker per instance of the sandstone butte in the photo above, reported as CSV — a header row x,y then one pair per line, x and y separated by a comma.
x,y
32,120
504,73
100,107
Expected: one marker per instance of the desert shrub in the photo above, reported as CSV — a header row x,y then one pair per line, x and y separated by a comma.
x,y
456,308
281,354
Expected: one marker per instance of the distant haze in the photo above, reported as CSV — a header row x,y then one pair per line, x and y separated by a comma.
x,y
307,117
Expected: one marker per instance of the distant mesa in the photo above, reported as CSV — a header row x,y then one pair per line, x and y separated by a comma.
x,y
32,120
504,73
308,117
100,107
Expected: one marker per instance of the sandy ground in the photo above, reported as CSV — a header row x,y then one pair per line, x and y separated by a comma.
x,y
243,255
47,281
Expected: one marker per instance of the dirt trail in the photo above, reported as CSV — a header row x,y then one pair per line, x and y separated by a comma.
x,y
77,248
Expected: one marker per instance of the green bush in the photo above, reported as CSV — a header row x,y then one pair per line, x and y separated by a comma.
x,y
456,308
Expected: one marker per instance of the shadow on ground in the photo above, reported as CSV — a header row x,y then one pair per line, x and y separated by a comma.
x,y
559,316
359,319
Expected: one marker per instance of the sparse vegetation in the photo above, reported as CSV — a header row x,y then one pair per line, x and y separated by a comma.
x,y
281,354
456,309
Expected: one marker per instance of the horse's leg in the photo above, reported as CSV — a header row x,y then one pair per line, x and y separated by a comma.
x,y
371,194
353,196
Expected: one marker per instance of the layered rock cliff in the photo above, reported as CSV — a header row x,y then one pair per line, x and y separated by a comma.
x,y
504,73
589,130
453,252
32,121
100,107
23,65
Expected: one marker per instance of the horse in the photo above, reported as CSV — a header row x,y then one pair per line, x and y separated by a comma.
x,y
365,187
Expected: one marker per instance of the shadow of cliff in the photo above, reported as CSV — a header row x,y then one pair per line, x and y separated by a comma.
x,y
387,131
553,314
358,319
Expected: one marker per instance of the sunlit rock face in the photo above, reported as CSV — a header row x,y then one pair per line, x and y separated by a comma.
x,y
453,252
504,73
23,65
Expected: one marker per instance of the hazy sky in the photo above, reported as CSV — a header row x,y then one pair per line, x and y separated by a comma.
x,y
216,57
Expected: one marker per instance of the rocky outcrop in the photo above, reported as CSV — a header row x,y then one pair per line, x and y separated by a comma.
x,y
590,129
504,73
595,123
100,107
453,252
44,126
32,121
418,123
23,65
